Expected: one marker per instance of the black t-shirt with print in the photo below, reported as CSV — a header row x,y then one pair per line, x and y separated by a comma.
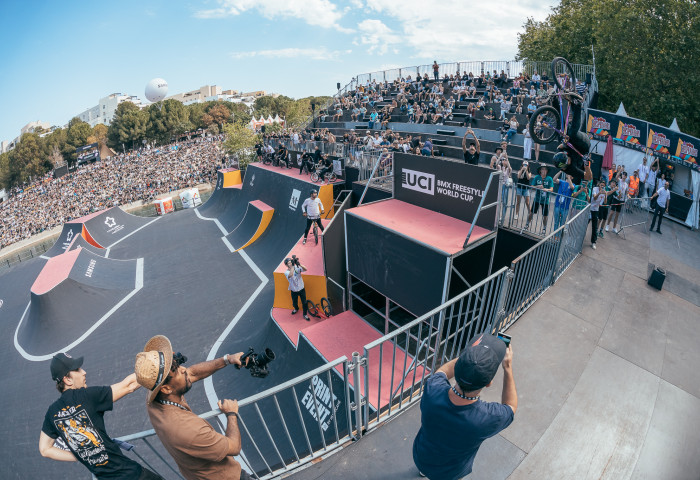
x,y
471,159
77,417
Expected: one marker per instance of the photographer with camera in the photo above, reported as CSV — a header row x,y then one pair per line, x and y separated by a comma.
x,y
200,452
296,284
312,209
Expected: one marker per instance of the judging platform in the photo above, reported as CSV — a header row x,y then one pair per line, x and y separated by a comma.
x,y
293,172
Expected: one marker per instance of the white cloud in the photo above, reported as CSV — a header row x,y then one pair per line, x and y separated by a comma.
x,y
321,53
380,38
322,13
456,30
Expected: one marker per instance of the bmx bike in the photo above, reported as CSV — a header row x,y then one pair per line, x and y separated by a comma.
x,y
324,306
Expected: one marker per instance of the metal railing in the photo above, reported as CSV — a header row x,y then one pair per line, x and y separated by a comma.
x,y
417,348
282,428
34,251
307,417
635,213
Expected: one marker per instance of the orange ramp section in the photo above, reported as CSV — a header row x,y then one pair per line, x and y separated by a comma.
x,y
231,178
257,217
311,256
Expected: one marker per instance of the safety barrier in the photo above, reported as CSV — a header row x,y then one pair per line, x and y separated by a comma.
x,y
371,390
635,213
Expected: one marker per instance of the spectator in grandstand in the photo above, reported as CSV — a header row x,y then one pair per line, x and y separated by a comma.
x,y
535,82
436,70
199,451
427,148
527,144
562,202
523,179
531,109
663,199
373,117
312,209
471,153
489,115
544,184
481,104
454,420
512,128
472,90
77,418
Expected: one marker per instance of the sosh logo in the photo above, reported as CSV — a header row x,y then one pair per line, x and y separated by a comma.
x,y
418,181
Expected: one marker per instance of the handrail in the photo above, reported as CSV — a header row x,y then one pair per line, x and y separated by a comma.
x,y
481,204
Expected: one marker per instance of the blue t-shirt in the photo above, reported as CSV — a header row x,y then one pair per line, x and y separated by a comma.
x,y
450,435
564,197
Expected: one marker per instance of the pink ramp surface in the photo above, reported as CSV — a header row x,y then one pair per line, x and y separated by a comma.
x,y
262,206
291,172
291,325
440,231
310,255
346,333
55,271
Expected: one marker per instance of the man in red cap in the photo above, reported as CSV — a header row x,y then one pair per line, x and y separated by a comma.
x,y
77,417
454,421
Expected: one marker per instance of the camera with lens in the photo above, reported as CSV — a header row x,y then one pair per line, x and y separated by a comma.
x,y
257,362
295,260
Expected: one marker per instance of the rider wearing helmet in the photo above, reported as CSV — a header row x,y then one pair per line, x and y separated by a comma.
x,y
312,209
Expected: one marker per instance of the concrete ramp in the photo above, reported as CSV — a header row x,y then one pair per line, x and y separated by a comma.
x,y
112,226
255,221
73,295
70,231
226,194
80,242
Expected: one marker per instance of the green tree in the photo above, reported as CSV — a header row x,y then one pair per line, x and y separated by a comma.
x,y
646,53
29,157
128,127
240,141
76,136
166,119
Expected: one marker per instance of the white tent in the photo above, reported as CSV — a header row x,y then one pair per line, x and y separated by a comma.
x,y
674,126
621,111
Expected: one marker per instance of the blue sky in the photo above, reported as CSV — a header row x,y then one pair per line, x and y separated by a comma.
x,y
59,58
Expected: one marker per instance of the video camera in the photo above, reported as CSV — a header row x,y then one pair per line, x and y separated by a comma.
x,y
295,260
257,362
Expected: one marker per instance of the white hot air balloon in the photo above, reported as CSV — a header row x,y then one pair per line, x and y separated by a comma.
x,y
156,90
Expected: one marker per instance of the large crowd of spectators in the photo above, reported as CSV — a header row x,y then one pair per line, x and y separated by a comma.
x,y
118,180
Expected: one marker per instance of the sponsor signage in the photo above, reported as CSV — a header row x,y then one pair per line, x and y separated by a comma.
x,y
626,131
324,406
445,186
294,200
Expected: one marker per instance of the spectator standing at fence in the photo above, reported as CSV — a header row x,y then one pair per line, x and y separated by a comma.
x,y
605,207
597,198
200,452
643,176
312,209
522,190
663,199
436,71
565,186
454,420
77,417
651,179
471,154
617,200
544,184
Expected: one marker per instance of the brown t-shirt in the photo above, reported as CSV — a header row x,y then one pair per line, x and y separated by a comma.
x,y
199,451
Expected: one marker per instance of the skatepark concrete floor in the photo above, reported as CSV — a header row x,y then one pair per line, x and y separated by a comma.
x,y
606,369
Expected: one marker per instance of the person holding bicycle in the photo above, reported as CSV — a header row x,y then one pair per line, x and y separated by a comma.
x,y
306,162
281,154
296,285
312,209
327,164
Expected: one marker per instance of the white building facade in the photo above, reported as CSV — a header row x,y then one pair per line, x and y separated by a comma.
x,y
104,111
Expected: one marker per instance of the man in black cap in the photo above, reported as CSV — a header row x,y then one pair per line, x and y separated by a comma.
x,y
77,417
454,421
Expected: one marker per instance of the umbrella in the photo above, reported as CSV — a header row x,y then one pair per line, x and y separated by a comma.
x,y
608,155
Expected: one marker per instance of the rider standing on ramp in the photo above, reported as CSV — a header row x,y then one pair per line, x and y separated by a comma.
x,y
312,209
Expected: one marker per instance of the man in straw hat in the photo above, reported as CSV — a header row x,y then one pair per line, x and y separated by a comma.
x,y
77,417
199,451
454,421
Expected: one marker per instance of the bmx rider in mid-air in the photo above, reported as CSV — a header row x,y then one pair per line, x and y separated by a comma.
x,y
312,209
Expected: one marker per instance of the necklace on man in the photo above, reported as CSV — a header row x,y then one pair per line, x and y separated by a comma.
x,y
175,404
460,395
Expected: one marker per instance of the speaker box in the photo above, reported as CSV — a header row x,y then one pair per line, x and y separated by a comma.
x,y
657,277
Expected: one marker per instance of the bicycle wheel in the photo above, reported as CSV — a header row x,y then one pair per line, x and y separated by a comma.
x,y
331,177
563,74
313,311
326,307
548,129
316,233
314,177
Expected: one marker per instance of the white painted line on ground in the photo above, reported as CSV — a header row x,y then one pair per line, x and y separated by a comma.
x,y
138,285
127,236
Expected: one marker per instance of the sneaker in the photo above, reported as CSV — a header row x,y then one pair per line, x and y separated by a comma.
x,y
544,230
303,242
306,317
593,246
516,216
421,473
607,228
527,226
659,232
600,234
294,311
615,230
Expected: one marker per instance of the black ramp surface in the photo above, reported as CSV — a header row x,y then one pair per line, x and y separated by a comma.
x,y
114,225
247,228
80,242
65,313
221,201
68,234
